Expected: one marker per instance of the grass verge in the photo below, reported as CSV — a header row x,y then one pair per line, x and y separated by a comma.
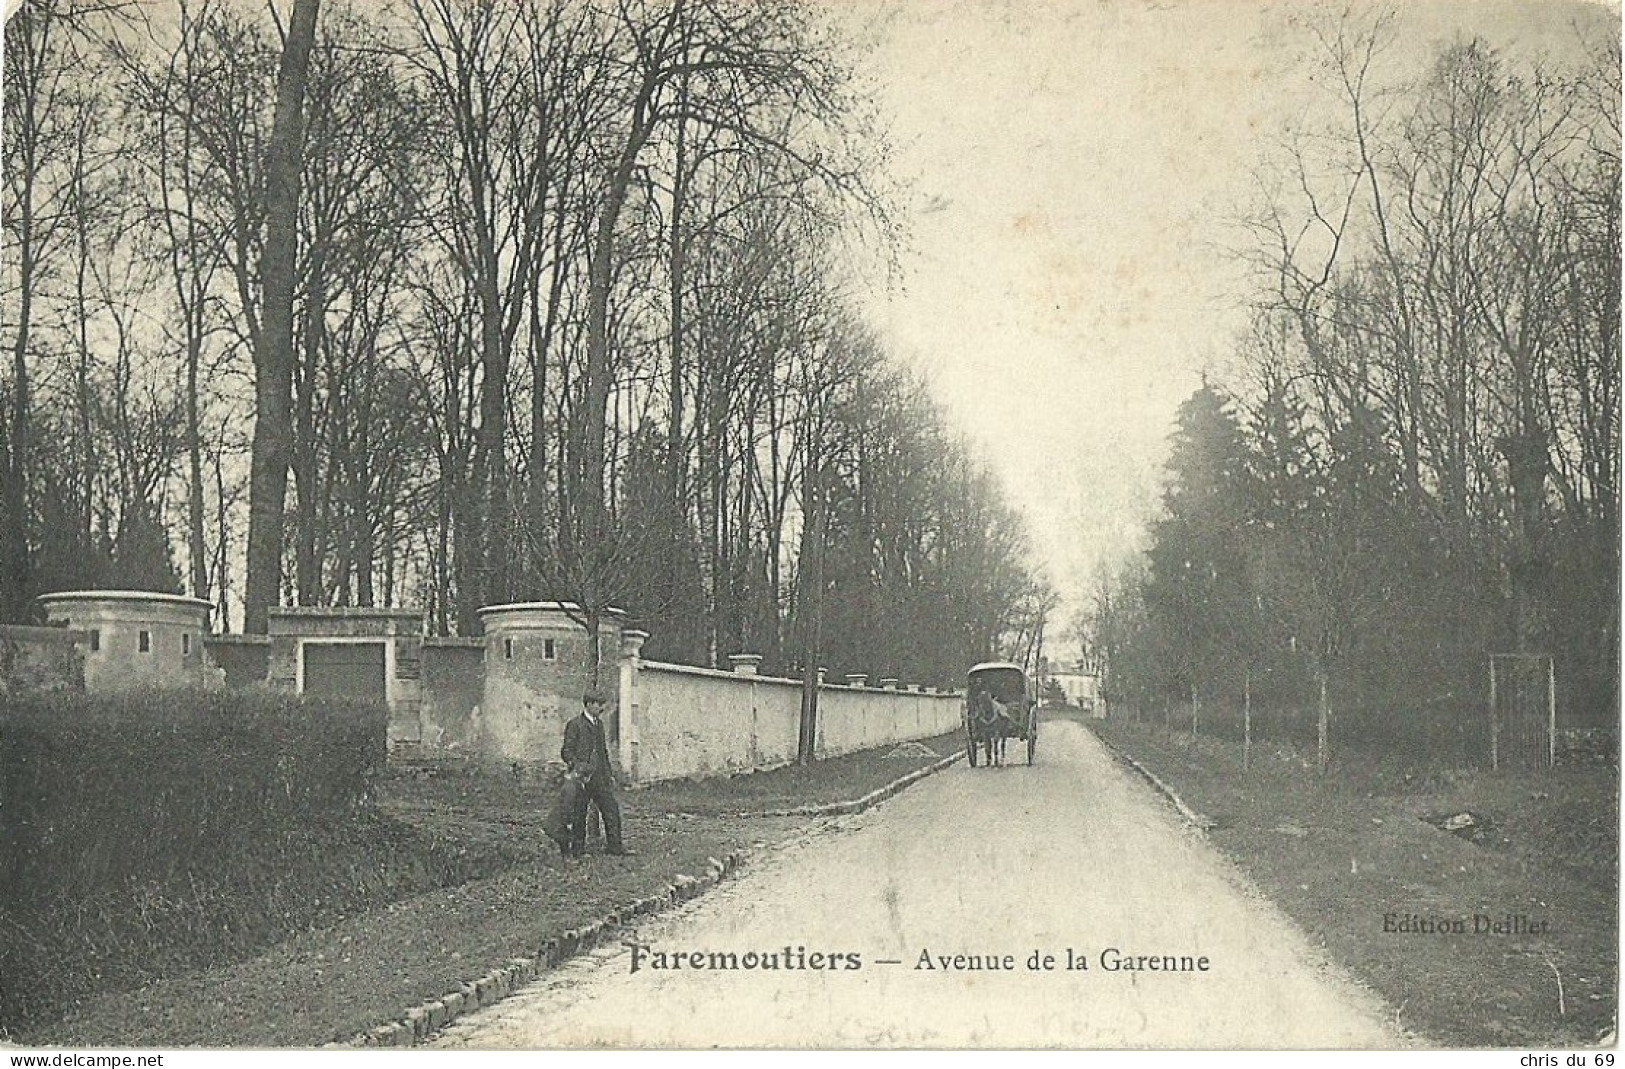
x,y
1352,858
330,981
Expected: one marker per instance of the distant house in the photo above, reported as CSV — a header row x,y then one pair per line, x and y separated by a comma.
x,y
1080,682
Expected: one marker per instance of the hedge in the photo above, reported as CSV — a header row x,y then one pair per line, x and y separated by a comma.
x,y
97,791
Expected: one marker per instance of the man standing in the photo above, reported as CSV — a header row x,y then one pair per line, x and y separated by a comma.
x,y
586,759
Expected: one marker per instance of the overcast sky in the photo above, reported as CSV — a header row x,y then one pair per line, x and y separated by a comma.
x,y
1072,165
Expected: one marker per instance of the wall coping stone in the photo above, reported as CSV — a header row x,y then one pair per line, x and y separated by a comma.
x,y
236,640
722,673
357,612
713,673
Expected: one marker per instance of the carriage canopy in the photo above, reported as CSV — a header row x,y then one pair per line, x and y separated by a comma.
x,y
1003,680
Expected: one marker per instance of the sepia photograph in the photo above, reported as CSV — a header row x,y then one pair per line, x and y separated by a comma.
x,y
810,525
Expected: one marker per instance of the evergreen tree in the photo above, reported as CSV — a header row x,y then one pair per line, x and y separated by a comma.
x,y
1199,599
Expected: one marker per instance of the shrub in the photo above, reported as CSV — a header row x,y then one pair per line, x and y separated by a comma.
x,y
97,791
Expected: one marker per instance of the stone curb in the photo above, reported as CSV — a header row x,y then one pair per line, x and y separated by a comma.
x,y
1196,820
421,1022
868,801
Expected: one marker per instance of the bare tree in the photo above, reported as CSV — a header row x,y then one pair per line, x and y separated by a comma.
x,y
273,349
43,44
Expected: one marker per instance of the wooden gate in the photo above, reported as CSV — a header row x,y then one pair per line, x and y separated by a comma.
x,y
345,669
1523,711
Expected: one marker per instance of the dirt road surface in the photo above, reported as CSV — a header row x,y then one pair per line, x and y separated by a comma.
x,y
1074,857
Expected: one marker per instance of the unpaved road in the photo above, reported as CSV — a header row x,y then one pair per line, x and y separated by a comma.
x,y
1074,854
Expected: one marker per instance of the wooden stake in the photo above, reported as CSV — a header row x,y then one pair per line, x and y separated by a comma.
x,y
1247,718
1495,723
1323,727
1551,712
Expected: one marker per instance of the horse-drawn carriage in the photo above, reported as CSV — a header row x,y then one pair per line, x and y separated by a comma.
x,y
999,705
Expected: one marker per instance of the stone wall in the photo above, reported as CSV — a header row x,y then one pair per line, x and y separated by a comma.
x,y
453,687
242,659
861,718
507,695
34,659
695,721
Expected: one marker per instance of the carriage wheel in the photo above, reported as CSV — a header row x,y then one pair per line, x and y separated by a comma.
x,y
1032,735
970,744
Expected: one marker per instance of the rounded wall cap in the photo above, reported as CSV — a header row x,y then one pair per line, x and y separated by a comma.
x,y
67,597
543,606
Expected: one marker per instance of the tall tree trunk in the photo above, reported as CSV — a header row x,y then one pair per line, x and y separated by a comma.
x,y
87,450
190,276
775,529
273,351
675,465
542,330
27,33
14,435
465,548
196,550
442,557
490,463
811,604
366,556
306,467
592,420
222,551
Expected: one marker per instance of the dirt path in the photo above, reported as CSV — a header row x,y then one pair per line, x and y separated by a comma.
x,y
1073,855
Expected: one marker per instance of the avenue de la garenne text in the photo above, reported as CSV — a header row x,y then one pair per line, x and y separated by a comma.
x,y
801,959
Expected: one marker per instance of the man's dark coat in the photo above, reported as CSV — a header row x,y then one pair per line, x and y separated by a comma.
x,y
585,754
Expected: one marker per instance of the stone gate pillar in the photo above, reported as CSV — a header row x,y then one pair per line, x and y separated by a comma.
x,y
632,641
